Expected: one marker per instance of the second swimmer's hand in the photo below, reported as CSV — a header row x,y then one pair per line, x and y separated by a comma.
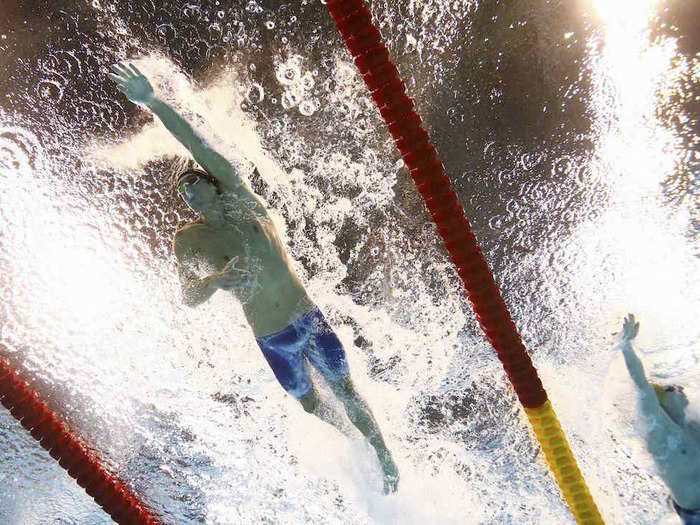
x,y
630,328
132,83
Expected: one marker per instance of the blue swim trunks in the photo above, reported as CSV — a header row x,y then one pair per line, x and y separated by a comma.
x,y
311,339
688,517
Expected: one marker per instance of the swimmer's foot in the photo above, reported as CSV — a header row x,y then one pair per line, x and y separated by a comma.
x,y
630,328
389,472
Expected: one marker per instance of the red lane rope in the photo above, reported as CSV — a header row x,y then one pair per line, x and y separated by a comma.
x,y
365,44
108,491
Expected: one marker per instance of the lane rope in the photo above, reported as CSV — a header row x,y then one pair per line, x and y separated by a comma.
x,y
108,491
563,464
364,42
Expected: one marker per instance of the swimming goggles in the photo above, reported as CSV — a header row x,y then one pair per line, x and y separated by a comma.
x,y
192,177
188,180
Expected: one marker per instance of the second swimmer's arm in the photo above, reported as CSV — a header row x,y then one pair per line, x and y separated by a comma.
x,y
635,367
661,424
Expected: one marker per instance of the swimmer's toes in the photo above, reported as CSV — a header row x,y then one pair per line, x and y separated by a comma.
x,y
391,484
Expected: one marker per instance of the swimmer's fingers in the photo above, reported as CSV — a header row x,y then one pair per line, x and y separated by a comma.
x,y
116,79
116,74
119,82
229,282
118,68
136,71
231,267
232,271
126,71
120,73
231,264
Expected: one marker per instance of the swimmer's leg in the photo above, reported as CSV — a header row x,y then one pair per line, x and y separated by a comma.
x,y
314,405
361,416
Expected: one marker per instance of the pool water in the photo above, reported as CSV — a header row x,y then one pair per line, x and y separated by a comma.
x,y
570,132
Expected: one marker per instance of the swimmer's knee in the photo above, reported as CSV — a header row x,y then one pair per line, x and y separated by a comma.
x,y
309,401
344,381
344,387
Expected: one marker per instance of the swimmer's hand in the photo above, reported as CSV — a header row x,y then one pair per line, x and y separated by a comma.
x,y
630,328
132,83
231,277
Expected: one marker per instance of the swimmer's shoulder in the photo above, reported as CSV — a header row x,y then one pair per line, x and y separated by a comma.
x,y
186,237
240,193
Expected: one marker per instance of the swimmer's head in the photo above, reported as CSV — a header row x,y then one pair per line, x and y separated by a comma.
x,y
673,400
198,189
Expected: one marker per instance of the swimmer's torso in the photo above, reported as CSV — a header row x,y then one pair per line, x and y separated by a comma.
x,y
270,291
680,466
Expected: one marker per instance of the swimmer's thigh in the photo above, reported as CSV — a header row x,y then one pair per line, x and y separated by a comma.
x,y
290,369
326,352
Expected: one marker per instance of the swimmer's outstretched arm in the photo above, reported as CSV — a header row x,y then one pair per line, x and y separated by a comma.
x,y
630,329
660,423
137,88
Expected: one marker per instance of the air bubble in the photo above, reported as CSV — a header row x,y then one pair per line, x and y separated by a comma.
x,y
289,100
307,81
50,90
411,44
255,94
307,108
270,24
288,73
276,126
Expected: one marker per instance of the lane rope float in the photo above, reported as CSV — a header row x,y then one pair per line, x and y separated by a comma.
x,y
364,42
45,426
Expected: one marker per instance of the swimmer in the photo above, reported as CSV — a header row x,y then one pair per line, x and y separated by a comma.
x,y
672,440
236,243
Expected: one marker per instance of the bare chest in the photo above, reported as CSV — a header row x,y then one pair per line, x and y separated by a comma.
x,y
217,246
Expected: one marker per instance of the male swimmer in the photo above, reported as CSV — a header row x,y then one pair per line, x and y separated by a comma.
x,y
236,243
672,440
